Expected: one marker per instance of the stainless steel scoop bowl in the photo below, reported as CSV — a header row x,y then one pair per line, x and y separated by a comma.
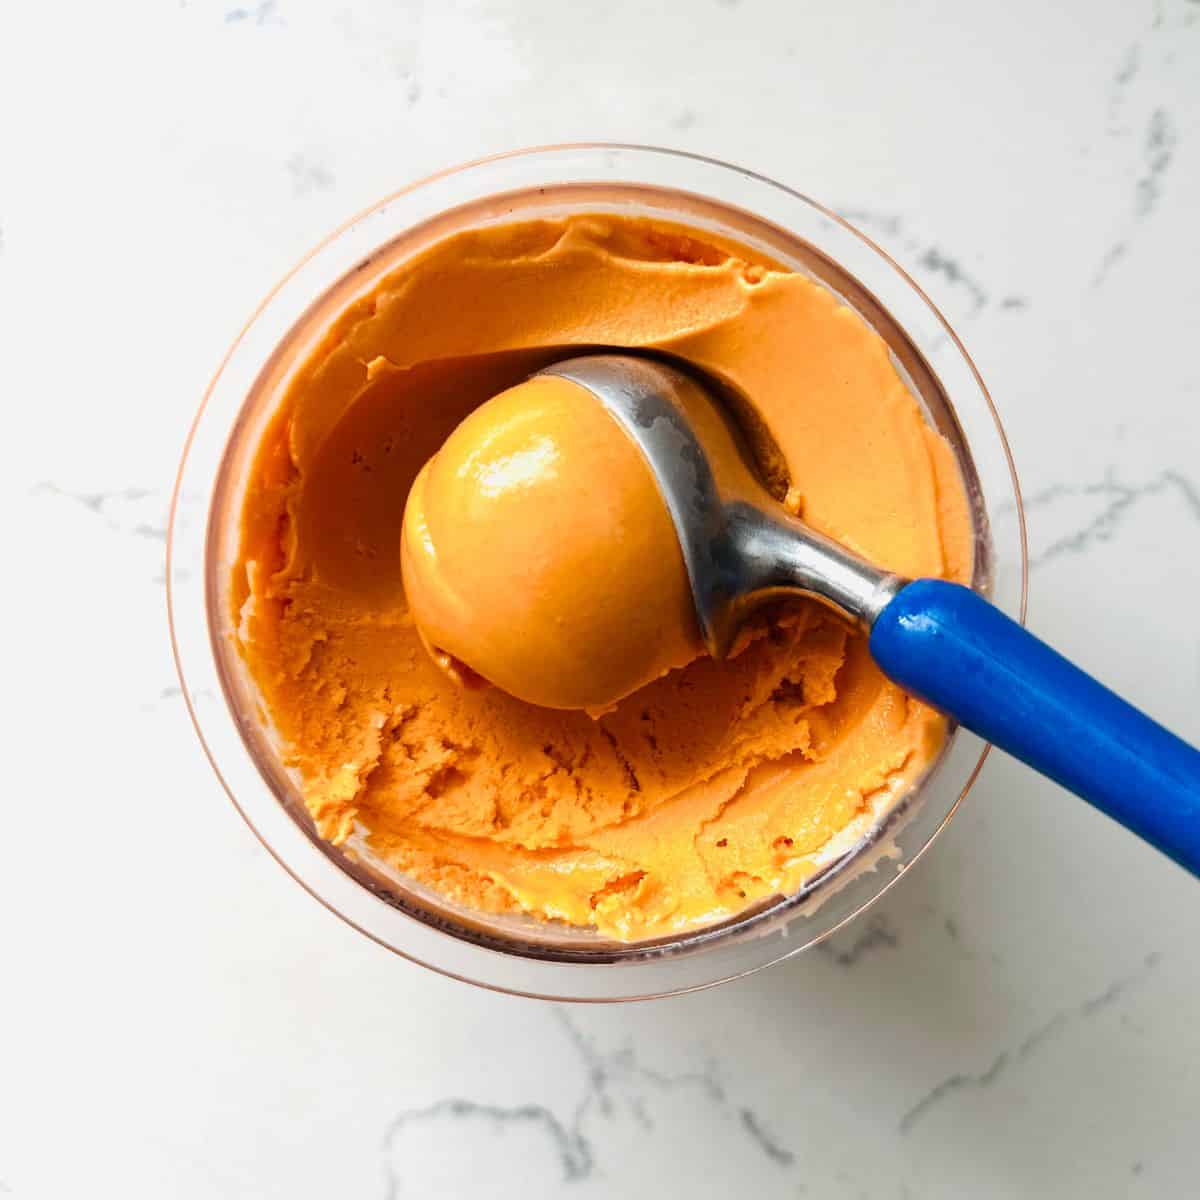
x,y
739,545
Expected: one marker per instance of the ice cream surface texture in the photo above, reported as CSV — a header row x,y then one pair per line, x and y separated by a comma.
x,y
710,786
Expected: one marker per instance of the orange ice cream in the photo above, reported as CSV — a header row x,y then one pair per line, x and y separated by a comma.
x,y
537,552
708,787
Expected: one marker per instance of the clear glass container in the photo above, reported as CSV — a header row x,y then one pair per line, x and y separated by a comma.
x,y
518,954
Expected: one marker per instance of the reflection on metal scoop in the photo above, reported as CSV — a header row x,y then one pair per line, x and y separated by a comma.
x,y
939,640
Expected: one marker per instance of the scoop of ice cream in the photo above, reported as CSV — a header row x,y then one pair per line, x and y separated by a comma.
x,y
537,551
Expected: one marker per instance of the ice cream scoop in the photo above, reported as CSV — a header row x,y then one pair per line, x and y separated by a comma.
x,y
603,522
940,641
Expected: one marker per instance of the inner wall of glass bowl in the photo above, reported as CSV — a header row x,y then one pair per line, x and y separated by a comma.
x,y
517,934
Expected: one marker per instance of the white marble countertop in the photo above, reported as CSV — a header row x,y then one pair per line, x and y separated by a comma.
x,y
177,1018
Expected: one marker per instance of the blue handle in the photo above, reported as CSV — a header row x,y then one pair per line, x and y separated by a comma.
x,y
957,652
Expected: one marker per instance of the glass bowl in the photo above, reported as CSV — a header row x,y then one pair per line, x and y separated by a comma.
x,y
519,954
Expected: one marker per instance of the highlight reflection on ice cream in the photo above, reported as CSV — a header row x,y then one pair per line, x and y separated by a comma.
x,y
706,787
